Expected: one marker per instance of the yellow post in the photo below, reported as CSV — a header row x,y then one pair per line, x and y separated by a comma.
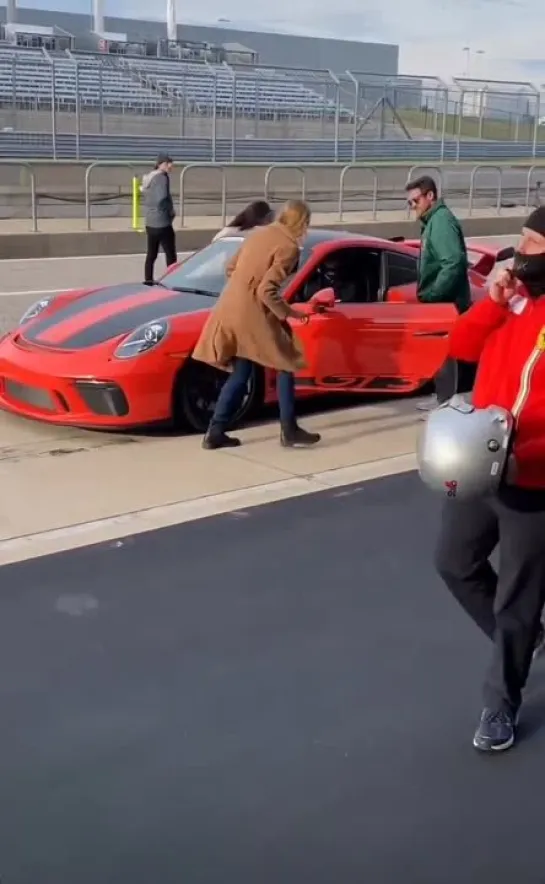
x,y
136,219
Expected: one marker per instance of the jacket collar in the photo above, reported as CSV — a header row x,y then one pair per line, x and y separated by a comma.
x,y
438,204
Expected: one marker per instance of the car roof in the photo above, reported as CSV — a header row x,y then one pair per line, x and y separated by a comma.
x,y
317,236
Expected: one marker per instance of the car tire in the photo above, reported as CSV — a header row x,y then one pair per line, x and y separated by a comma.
x,y
196,390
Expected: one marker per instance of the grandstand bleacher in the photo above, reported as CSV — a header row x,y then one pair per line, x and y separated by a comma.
x,y
33,79
104,94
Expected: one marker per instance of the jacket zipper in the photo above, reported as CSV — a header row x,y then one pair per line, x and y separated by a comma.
x,y
526,380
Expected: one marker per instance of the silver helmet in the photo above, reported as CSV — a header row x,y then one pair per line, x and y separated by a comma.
x,y
463,451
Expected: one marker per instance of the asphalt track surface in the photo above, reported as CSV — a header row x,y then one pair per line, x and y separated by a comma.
x,y
280,695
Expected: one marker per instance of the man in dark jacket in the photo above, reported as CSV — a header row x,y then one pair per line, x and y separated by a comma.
x,y
159,214
443,272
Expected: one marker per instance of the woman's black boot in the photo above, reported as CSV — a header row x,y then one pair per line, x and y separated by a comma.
x,y
216,437
292,435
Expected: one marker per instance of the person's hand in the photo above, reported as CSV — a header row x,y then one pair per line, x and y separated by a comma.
x,y
302,316
318,308
503,288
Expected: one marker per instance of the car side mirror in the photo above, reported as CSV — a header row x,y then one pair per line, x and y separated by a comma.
x,y
324,299
505,254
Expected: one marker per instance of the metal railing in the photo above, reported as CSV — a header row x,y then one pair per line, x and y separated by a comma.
x,y
342,178
88,171
367,199
81,94
485,167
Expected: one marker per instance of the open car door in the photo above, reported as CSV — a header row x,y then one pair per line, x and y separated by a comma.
x,y
423,343
348,346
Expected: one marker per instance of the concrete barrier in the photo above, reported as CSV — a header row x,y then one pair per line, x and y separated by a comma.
x,y
70,244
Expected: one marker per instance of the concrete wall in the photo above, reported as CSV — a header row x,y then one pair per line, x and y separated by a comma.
x,y
173,127
48,245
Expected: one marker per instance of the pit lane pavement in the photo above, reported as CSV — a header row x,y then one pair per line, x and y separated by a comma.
x,y
63,488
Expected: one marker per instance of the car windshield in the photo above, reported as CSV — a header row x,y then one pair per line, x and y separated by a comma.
x,y
205,270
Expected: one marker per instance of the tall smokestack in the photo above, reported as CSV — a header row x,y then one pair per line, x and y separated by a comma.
x,y
11,12
171,20
98,16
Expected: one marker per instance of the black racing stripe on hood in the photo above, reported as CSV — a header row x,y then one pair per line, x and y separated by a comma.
x,y
84,302
130,320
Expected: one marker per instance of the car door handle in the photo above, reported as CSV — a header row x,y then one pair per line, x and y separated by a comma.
x,y
441,333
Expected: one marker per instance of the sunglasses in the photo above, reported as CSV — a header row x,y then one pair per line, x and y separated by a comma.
x,y
413,203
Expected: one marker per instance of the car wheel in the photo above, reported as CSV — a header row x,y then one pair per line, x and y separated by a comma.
x,y
196,392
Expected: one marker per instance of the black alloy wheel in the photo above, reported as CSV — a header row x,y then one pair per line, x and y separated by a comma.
x,y
196,392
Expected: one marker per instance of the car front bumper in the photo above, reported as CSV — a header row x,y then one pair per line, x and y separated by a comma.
x,y
49,386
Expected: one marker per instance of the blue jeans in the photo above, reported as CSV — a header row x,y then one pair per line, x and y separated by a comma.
x,y
233,392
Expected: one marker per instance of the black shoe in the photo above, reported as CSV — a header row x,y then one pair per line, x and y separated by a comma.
x,y
540,642
291,436
496,731
216,438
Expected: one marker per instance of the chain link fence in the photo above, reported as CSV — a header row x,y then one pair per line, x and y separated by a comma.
x,y
51,95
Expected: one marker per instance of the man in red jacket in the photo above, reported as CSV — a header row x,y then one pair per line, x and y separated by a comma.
x,y
505,334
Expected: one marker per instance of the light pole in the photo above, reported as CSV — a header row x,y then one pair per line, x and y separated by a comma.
x,y
467,50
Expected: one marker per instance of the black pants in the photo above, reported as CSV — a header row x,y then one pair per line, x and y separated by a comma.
x,y
159,236
506,606
454,377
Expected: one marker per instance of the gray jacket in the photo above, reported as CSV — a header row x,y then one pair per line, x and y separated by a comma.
x,y
156,199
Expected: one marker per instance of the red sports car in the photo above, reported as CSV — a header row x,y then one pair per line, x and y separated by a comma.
x,y
120,357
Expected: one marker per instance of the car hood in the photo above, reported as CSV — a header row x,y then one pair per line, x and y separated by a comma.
x,y
103,314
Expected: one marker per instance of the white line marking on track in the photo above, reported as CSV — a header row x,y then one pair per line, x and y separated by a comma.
x,y
36,292
30,546
74,258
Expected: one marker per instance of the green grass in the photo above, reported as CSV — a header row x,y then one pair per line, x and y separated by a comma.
x,y
492,130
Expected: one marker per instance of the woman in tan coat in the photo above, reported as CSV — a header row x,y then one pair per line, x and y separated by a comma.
x,y
249,326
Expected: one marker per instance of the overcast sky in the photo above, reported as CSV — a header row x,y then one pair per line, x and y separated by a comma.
x,y
431,34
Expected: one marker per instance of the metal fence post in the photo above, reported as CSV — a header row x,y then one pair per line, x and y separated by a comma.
x,y
536,125
53,111
531,171
78,113
474,172
88,171
460,124
274,166
342,177
215,119
337,124
444,124
183,174
234,120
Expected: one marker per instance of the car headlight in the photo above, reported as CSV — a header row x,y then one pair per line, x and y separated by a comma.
x,y
143,339
35,310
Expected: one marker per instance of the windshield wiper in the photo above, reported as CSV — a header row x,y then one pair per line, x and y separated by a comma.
x,y
191,291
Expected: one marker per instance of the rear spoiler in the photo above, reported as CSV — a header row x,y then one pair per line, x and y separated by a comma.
x,y
489,256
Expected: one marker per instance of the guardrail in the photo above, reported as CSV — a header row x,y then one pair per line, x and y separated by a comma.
x,y
370,176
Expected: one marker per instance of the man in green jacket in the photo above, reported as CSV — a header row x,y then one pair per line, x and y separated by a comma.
x,y
443,272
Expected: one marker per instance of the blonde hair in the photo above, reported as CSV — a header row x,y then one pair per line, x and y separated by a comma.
x,y
295,215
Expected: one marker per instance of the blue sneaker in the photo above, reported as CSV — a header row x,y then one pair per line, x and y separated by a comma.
x,y
496,731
